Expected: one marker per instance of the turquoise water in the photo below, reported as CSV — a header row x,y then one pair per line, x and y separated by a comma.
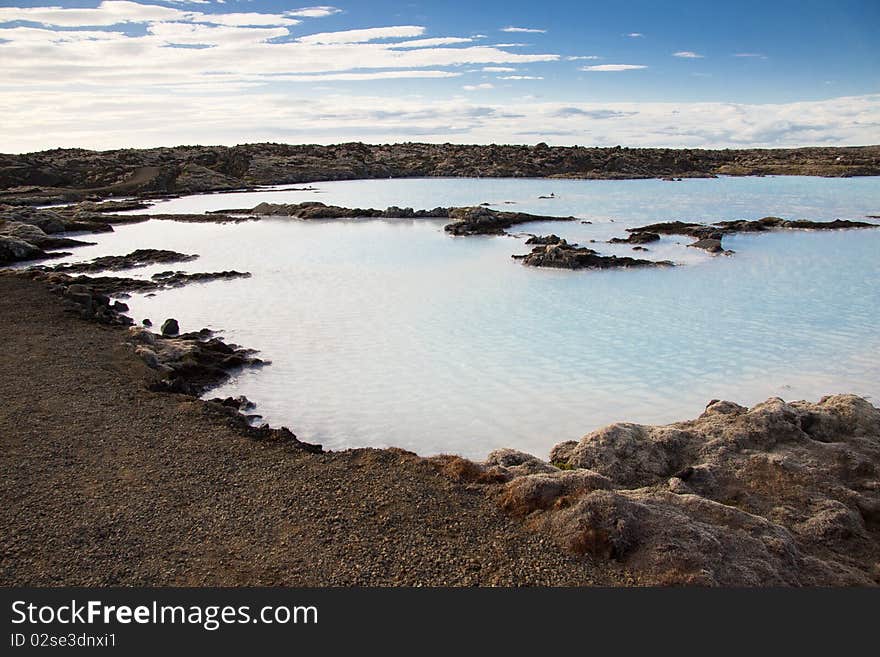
x,y
393,333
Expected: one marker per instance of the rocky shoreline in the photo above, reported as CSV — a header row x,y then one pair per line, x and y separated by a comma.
x,y
65,175
30,234
782,494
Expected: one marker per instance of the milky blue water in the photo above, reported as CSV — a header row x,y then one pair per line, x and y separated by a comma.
x,y
393,333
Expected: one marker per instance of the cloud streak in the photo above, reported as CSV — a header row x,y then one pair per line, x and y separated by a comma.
x,y
523,30
612,68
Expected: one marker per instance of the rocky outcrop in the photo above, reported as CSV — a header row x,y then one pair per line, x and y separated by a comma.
x,y
133,260
480,220
190,363
709,244
708,236
636,237
472,220
721,228
562,255
316,210
544,239
75,174
779,494
14,249
170,327
120,286
168,279
28,233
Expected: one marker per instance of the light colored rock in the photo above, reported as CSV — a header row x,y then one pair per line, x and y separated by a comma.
x,y
784,493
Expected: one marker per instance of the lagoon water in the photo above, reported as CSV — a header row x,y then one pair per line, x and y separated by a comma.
x,y
390,332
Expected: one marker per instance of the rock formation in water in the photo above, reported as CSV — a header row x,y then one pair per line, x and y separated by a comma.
x,y
708,236
559,254
471,220
779,494
133,260
75,174
59,281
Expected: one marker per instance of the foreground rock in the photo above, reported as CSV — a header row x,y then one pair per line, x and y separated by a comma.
x,y
779,494
559,254
190,363
63,175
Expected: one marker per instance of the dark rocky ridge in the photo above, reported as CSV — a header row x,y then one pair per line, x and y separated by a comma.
x,y
74,174
137,258
708,236
27,233
471,220
119,285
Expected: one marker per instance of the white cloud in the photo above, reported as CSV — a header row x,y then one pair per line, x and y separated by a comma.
x,y
313,12
528,30
750,54
34,120
687,54
357,77
119,12
362,36
576,58
222,48
635,35
213,35
520,77
430,43
477,87
498,69
112,12
613,67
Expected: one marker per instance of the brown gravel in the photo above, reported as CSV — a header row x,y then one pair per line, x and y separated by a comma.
x,y
106,483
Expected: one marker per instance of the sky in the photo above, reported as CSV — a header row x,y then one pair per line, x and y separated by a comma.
x,y
698,74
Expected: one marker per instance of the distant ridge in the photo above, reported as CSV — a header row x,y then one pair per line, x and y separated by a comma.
x,y
72,174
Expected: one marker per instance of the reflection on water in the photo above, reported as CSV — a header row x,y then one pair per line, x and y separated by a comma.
x,y
393,333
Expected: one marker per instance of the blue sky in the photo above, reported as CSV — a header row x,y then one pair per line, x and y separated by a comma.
x,y
708,74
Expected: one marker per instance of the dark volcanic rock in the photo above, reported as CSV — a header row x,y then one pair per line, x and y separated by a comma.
x,y
544,239
180,278
483,221
570,256
708,244
137,258
474,220
636,237
709,236
77,174
13,249
170,327
667,228
190,363
119,286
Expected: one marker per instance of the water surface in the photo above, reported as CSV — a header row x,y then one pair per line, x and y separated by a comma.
x,y
393,333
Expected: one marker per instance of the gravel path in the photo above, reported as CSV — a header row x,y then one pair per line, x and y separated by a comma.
x,y
106,483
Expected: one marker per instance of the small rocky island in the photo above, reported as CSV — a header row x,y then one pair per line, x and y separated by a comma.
x,y
556,253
